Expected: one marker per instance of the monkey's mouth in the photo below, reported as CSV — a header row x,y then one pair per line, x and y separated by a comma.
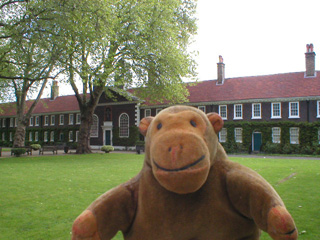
x,y
181,168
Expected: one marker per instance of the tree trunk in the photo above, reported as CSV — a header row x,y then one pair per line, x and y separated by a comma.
x,y
19,136
84,133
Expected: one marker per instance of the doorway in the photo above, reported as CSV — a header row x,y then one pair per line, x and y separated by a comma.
x,y
107,140
257,141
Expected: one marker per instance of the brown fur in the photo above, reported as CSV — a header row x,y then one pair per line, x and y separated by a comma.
x,y
187,190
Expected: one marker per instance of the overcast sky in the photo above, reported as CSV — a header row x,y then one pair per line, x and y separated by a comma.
x,y
255,37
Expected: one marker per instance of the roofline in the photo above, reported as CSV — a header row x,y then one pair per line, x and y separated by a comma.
x,y
257,100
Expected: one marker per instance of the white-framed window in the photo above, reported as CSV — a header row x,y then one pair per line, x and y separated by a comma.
x,y
30,137
77,136
45,136
46,120
61,119
11,122
147,112
158,110
36,136
294,135
276,110
238,111
52,136
71,116
36,121
294,110
256,110
202,108
318,109
276,135
223,112
31,121
70,136
223,135
124,125
238,135
3,122
53,120
94,132
3,136
10,137
78,118
15,122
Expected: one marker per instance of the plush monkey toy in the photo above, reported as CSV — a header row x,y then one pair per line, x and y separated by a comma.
x,y
187,190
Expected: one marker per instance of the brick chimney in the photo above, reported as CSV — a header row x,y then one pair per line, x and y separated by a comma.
x,y
54,90
220,64
310,61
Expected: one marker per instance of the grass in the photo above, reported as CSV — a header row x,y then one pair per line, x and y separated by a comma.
x,y
41,196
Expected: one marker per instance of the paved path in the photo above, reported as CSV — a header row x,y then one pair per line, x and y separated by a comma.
x,y
61,152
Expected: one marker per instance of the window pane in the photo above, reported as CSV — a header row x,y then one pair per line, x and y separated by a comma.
x,y
256,112
294,109
223,111
238,135
238,111
294,135
147,112
223,135
124,125
94,126
276,135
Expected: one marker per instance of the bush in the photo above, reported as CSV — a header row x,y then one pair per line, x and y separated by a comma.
x,y
35,146
272,148
107,148
18,151
140,143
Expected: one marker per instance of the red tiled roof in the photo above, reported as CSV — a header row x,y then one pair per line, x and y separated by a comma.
x,y
45,105
287,85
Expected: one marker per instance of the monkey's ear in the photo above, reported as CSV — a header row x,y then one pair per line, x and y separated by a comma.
x,y
144,125
216,121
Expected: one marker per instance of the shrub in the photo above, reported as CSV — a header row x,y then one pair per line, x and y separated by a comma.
x,y
140,143
35,146
272,147
18,151
107,148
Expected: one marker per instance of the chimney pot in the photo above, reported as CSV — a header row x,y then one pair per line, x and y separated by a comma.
x,y
310,61
54,90
221,70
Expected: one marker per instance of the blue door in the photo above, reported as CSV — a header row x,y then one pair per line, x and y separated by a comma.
x,y
257,141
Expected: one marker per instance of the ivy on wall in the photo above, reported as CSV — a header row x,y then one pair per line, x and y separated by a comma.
x,y
122,141
57,132
308,137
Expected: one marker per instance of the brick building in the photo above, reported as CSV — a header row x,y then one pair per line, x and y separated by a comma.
x,y
287,97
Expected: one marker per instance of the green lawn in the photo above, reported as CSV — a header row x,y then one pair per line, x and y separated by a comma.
x,y
41,196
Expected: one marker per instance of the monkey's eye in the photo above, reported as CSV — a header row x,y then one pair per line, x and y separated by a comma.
x,y
159,126
193,123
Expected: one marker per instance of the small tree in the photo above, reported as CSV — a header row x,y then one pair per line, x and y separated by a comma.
x,y
27,55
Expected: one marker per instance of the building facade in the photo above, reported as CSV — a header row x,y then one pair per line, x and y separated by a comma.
x,y
269,100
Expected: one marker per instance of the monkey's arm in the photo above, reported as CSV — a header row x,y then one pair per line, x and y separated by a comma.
x,y
111,212
256,199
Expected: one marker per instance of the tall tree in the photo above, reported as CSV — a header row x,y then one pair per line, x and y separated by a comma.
x,y
128,43
27,54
